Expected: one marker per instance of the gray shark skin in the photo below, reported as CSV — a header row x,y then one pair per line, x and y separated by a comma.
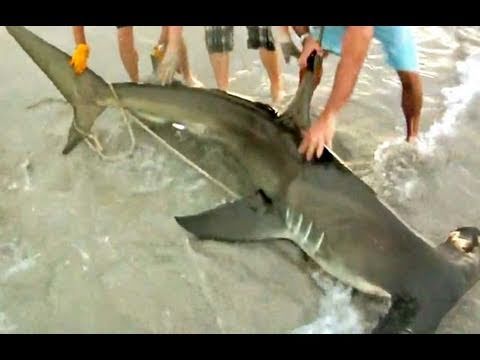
x,y
321,206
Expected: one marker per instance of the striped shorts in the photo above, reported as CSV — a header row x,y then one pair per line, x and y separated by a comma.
x,y
219,39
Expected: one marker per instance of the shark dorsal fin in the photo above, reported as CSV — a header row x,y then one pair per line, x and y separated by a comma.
x,y
297,114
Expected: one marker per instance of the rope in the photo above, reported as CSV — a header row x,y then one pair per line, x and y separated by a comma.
x,y
97,147
94,143
186,160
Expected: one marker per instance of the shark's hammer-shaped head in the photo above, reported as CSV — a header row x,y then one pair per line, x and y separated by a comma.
x,y
462,248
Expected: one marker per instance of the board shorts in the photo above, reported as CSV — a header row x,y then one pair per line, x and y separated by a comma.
x,y
397,42
219,39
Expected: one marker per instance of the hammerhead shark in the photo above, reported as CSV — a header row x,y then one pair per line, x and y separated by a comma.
x,y
321,206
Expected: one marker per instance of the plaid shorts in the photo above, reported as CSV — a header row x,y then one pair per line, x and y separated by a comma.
x,y
219,39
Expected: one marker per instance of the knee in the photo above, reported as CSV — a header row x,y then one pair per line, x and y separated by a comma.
x,y
410,81
125,40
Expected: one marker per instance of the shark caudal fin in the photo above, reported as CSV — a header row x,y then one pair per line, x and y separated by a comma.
x,y
83,92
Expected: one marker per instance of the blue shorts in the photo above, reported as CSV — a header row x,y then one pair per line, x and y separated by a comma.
x,y
397,41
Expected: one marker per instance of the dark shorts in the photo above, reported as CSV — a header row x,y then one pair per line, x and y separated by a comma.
x,y
119,27
219,39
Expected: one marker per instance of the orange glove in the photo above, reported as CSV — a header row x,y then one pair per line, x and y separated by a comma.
x,y
158,52
80,58
157,56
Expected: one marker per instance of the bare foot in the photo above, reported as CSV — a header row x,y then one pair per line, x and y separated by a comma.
x,y
193,82
412,139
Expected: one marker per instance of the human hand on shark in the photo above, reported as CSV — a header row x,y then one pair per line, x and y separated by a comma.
x,y
319,135
169,65
79,59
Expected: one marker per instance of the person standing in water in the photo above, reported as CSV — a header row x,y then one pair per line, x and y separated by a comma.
x,y
126,46
351,43
219,42
171,56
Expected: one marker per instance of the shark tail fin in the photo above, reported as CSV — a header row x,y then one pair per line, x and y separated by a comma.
x,y
84,92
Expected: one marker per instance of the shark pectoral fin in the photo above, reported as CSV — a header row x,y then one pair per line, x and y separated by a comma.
x,y
252,218
83,120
